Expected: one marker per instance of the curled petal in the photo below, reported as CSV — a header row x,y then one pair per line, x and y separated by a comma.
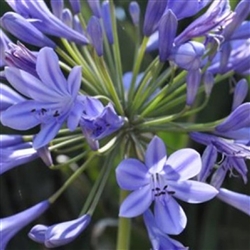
x,y
184,163
193,191
131,174
169,216
37,233
136,203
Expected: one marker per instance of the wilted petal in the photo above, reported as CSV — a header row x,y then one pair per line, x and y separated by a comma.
x,y
186,163
193,191
209,157
237,200
239,118
169,216
136,203
131,174
155,156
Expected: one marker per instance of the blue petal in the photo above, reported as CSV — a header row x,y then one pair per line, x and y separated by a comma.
x,y
169,216
37,233
47,133
155,156
29,85
136,203
131,174
74,80
184,162
19,116
237,200
239,118
48,69
193,191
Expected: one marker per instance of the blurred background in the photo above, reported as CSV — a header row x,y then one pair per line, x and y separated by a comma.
x,y
212,225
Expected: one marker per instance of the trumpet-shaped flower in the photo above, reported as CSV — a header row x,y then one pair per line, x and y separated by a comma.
x,y
159,240
61,233
9,226
160,179
53,98
98,121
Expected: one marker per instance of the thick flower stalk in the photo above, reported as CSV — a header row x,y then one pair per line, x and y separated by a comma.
x,y
98,90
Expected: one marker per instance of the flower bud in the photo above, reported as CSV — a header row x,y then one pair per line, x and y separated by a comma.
x,y
240,93
134,11
95,7
107,21
76,6
57,7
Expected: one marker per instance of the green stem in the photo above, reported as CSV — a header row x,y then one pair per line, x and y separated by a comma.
x,y
124,228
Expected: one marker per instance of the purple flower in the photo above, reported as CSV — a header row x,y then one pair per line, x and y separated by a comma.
x,y
61,233
38,15
159,240
4,45
159,180
98,121
237,200
9,226
107,21
53,98
14,152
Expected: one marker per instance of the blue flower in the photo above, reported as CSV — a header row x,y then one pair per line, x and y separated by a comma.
x,y
61,233
159,240
53,98
237,200
98,121
9,226
41,18
14,152
159,180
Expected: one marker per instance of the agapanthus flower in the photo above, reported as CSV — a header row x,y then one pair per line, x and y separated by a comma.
x,y
9,226
159,240
37,14
53,98
98,121
160,179
59,234
14,152
234,199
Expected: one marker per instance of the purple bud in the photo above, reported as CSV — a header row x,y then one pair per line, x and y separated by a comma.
x,y
67,17
134,11
239,118
94,30
107,21
95,7
193,83
154,12
167,31
237,200
188,55
77,26
208,82
22,29
209,157
12,224
76,6
240,93
57,7
61,233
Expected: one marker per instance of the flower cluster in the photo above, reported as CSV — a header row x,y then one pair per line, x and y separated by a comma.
x,y
64,77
